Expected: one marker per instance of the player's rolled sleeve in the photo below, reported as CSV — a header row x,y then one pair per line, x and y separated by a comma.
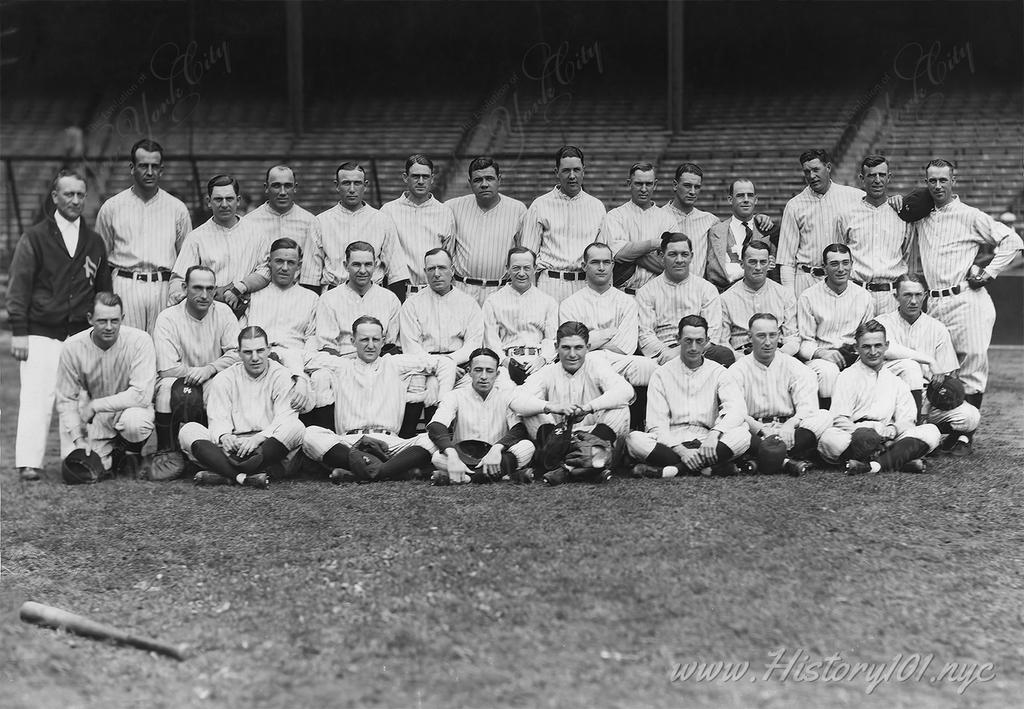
x,y
657,406
67,390
283,425
615,391
807,326
531,397
732,408
474,337
627,333
169,357
410,334
1007,242
650,345
804,391
534,229
905,417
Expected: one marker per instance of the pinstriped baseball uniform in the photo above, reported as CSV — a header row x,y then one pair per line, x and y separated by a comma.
x,y
119,383
479,419
235,254
339,307
695,225
512,319
785,388
829,319
182,342
288,316
420,227
594,384
628,224
808,226
948,240
239,403
339,227
142,236
879,242
740,302
482,240
663,304
299,225
558,228
431,323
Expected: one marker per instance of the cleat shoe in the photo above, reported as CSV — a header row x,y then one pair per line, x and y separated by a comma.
x,y
28,474
962,447
259,480
556,477
746,467
207,478
440,478
522,476
857,467
646,470
724,470
915,466
795,468
341,475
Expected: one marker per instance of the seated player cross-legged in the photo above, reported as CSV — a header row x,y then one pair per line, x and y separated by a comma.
x,y
253,425
577,386
874,418
478,438
696,418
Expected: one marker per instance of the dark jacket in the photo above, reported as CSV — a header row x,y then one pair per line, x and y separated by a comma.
x,y
50,292
718,236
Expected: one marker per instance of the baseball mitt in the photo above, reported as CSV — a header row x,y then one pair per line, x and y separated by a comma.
x,y
374,446
166,465
865,444
517,371
945,393
588,451
552,453
365,466
917,204
82,468
771,454
849,353
187,403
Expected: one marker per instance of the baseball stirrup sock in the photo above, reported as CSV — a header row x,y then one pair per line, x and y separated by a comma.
x,y
917,394
509,463
269,452
825,402
662,456
211,457
605,433
164,433
974,399
723,453
638,409
404,461
322,416
337,456
413,412
900,452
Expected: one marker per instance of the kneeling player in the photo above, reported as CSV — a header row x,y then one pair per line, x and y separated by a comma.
x,y
253,425
781,396
874,415
695,413
475,426
580,387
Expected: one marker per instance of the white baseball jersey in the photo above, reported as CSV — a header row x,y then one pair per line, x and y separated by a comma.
x,y
143,236
809,225
114,379
420,227
239,403
679,397
926,336
288,315
182,342
695,225
482,239
297,224
863,394
594,384
878,239
663,303
372,395
513,319
558,228
627,225
786,388
339,307
476,418
829,319
740,302
612,309
451,324
339,227
235,254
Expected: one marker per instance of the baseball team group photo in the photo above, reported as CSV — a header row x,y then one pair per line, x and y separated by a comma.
x,y
399,410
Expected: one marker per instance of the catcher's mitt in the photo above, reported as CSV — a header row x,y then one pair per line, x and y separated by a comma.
x,y
517,371
945,393
771,454
166,465
186,403
588,451
365,466
849,353
865,444
917,204
472,452
552,452
82,468
373,446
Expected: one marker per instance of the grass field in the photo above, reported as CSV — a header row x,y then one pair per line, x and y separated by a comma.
x,y
405,595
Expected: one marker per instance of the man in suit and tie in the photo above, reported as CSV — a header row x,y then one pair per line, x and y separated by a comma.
x,y
727,238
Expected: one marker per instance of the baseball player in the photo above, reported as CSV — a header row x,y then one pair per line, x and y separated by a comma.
x,y
280,218
422,223
576,385
143,228
57,268
253,425
781,397
634,229
878,239
727,238
874,425
479,413
696,416
228,245
520,320
487,225
756,293
560,223
921,350
370,392
809,221
105,387
949,239
352,219
195,340
689,219
827,315
675,294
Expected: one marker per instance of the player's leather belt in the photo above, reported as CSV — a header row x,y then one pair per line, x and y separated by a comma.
x,y
875,285
479,281
816,271
629,291
141,275
369,430
522,350
410,288
772,419
946,292
442,352
566,275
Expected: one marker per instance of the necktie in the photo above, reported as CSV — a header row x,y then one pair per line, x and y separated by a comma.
x,y
748,233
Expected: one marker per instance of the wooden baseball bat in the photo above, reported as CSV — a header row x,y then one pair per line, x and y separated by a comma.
x,y
50,617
